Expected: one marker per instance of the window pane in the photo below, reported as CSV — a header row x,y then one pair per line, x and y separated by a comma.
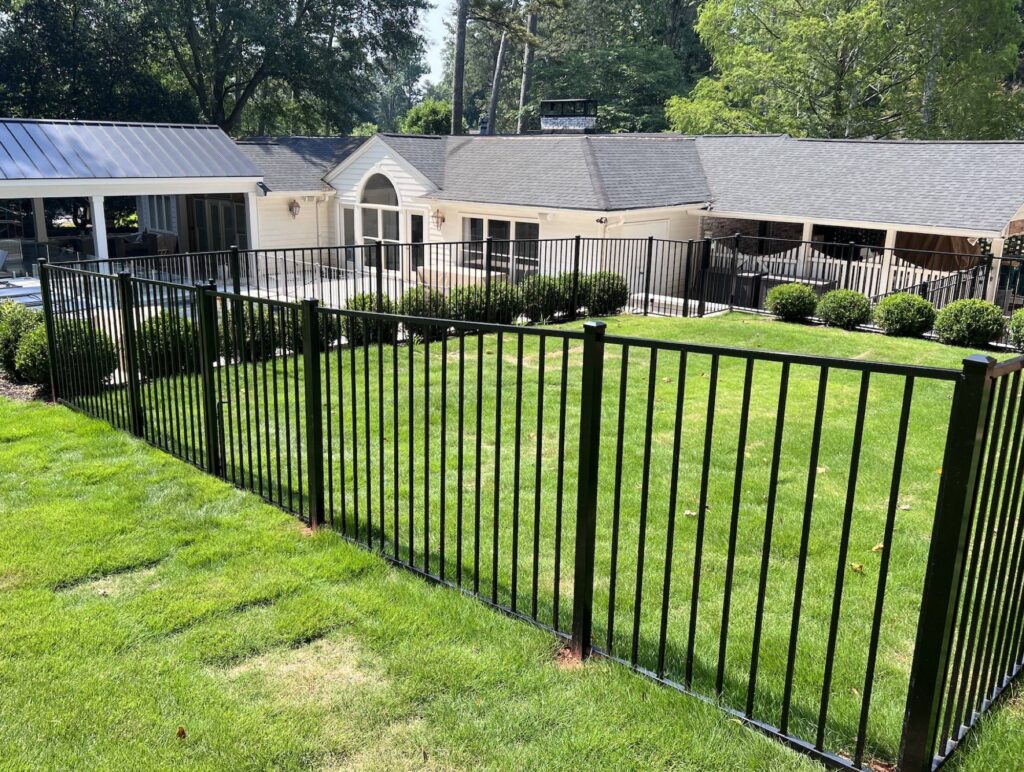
x,y
472,229
369,223
416,226
499,230
348,224
527,230
379,190
390,225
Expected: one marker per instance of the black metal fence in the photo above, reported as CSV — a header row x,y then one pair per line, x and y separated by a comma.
x,y
669,505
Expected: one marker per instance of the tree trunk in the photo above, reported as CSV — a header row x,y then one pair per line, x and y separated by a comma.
x,y
499,65
931,79
459,70
524,91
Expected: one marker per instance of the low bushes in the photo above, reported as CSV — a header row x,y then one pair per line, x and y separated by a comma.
x,y
1017,329
544,297
16,321
32,360
791,302
429,303
845,309
87,355
167,344
970,322
359,331
904,315
604,293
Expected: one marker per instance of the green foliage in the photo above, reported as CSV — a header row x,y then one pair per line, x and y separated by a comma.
x,y
843,308
87,355
544,297
904,315
1016,329
856,69
970,322
32,359
358,331
167,344
256,333
791,302
604,293
430,116
469,303
424,302
16,321
364,129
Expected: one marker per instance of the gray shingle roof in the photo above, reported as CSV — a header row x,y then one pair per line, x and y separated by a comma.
x,y
574,171
968,185
54,150
298,163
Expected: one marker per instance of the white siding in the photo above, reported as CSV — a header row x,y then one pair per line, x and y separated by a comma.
x,y
377,157
314,225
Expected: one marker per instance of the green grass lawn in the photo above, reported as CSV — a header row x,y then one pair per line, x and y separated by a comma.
x,y
139,595
516,518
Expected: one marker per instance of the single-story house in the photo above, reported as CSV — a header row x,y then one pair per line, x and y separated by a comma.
x,y
941,196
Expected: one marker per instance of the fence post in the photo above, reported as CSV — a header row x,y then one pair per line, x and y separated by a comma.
x,y
51,340
378,250
943,573
849,264
126,300
207,301
647,273
705,269
235,264
586,493
732,269
314,410
922,289
575,277
488,244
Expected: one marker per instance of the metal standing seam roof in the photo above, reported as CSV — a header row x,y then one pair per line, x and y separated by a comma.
x,y
79,150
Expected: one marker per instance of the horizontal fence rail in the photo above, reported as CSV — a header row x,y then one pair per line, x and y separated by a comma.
x,y
751,527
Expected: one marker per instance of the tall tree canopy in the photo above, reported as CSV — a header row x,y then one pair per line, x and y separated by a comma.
x,y
854,68
324,50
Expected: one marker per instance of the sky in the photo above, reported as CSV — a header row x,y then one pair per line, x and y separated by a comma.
x,y
433,28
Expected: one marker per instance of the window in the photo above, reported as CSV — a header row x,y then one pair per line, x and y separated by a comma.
x,y
514,244
378,213
416,229
160,214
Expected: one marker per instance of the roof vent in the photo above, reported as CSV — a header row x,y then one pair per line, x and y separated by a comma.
x,y
568,116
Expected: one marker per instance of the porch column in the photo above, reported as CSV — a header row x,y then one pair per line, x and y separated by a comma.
x,y
993,274
39,219
805,237
252,226
885,281
99,226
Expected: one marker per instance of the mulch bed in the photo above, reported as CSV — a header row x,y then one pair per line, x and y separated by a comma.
x,y
24,392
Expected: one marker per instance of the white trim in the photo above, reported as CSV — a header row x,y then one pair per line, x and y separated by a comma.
x,y
85,188
538,212
373,141
99,226
866,224
252,224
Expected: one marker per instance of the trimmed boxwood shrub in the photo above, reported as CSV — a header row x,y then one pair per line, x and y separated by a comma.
x,y
167,344
844,308
792,302
469,303
16,321
359,331
86,354
32,360
421,301
256,334
604,293
970,322
545,296
330,330
1017,329
904,315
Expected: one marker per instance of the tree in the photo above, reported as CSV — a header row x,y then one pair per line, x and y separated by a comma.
x,y
326,50
524,86
428,117
854,68
459,65
85,59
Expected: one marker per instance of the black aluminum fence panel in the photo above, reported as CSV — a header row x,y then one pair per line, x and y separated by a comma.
x,y
724,537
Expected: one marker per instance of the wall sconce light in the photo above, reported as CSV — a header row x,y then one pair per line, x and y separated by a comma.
x,y
293,208
602,221
437,218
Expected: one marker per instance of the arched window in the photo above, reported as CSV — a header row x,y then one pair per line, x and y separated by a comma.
x,y
379,213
